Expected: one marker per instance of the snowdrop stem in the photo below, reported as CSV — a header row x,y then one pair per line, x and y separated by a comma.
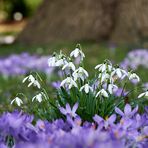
x,y
47,98
39,76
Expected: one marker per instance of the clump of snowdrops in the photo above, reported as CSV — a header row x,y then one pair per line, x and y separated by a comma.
x,y
78,92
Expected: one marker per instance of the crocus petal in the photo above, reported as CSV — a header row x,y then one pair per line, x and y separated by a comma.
x,y
118,111
63,111
75,107
98,119
112,119
68,108
127,109
134,110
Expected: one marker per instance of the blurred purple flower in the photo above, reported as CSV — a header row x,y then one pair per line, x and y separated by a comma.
x,y
23,63
56,84
68,110
128,112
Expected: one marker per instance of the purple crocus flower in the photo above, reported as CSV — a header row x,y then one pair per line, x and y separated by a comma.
x,y
56,84
16,64
69,111
120,92
128,112
105,123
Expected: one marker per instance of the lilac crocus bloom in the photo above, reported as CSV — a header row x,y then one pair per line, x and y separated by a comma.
x,y
56,84
105,123
120,92
128,112
69,111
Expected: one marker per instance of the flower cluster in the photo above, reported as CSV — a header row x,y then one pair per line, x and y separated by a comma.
x,y
131,130
23,63
135,59
87,112
107,74
91,94
38,97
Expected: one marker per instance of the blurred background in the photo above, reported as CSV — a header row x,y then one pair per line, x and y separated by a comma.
x,y
31,30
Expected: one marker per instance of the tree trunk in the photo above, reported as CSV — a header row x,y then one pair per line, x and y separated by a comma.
x,y
68,20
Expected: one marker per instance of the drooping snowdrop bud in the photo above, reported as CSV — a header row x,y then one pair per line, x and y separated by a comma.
x,y
69,65
103,77
17,100
69,82
86,88
77,53
133,76
101,67
52,61
145,94
56,61
60,62
39,97
32,81
80,73
120,73
102,92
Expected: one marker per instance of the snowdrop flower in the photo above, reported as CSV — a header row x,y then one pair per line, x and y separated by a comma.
x,y
101,67
119,72
111,88
103,77
86,88
133,76
32,81
69,65
77,52
52,62
80,73
17,100
70,82
145,94
56,62
61,62
68,110
103,93
39,97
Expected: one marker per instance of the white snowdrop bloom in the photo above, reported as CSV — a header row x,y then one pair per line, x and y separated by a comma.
x,y
30,78
103,93
61,62
119,72
17,100
39,97
101,67
77,52
69,82
145,94
69,65
86,88
36,83
52,61
133,76
111,88
56,61
103,77
32,81
80,73
110,68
